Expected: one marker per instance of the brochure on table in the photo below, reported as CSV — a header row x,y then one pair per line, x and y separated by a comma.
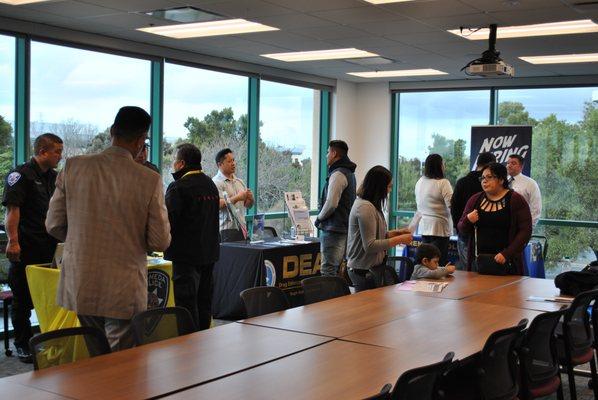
x,y
299,213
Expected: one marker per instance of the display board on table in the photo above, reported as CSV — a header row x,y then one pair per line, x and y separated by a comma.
x,y
299,213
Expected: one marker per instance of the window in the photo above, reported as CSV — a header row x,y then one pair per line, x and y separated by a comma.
x,y
564,143
7,103
288,150
7,117
208,109
76,94
436,122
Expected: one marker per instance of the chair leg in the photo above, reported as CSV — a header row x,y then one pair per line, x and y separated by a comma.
x,y
559,391
594,377
571,379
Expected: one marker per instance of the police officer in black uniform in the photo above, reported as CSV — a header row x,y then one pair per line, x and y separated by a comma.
x,y
27,192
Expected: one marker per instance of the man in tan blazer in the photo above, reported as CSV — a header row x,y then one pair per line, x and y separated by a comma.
x,y
109,211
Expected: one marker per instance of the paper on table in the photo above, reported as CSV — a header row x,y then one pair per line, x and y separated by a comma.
x,y
556,299
423,286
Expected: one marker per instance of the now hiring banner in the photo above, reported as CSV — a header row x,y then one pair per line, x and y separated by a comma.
x,y
503,141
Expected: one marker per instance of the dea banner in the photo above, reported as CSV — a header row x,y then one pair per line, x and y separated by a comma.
x,y
503,141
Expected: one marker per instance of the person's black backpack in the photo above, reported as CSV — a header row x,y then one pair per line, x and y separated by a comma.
x,y
574,282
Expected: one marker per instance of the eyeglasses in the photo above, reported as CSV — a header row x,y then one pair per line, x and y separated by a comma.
x,y
486,178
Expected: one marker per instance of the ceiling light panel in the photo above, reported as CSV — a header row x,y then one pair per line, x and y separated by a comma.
x,y
562,59
398,73
334,54
19,2
212,28
549,29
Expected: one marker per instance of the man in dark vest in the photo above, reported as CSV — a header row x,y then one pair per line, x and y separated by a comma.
x,y
335,205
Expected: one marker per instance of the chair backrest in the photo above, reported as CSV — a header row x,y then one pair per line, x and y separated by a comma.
x,y
498,364
577,330
270,232
384,275
537,351
231,235
161,324
68,345
420,383
406,269
320,288
263,300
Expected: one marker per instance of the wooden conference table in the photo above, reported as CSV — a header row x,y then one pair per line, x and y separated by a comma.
x,y
343,348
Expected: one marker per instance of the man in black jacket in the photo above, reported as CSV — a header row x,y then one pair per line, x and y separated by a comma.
x,y
193,203
466,187
335,205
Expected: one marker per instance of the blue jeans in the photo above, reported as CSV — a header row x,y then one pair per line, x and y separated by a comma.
x,y
462,244
333,246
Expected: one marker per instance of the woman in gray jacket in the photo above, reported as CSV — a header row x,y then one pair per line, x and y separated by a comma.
x,y
368,238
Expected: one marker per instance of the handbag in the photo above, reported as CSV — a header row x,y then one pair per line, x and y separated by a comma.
x,y
486,264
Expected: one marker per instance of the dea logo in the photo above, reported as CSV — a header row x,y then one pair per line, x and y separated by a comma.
x,y
270,273
158,288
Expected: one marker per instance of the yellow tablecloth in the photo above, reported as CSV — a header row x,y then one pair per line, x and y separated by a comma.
x,y
43,284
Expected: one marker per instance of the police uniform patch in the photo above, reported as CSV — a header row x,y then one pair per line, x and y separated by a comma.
x,y
13,178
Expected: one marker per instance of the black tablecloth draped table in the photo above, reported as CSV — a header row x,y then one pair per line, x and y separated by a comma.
x,y
274,263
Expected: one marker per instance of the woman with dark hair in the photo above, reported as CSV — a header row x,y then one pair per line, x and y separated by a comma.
x,y
433,195
368,237
502,219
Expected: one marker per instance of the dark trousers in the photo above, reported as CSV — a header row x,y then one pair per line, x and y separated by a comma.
x,y
22,305
442,243
193,288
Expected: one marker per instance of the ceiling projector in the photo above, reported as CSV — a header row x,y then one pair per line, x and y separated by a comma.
x,y
489,64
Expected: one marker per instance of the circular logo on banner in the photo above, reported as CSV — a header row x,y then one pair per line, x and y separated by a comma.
x,y
270,273
158,286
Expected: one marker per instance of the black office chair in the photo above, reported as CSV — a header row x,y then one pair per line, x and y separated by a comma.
x,y
384,275
320,288
539,364
263,300
68,345
270,232
421,383
497,369
231,235
406,269
161,324
575,339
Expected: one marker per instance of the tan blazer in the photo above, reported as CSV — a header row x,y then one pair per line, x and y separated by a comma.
x,y
109,211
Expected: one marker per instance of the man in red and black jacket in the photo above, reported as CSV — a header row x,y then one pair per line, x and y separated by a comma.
x,y
193,204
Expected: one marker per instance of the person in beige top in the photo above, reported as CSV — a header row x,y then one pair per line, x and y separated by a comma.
x,y
109,211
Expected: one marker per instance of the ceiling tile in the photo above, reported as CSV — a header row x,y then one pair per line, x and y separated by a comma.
x,y
333,32
493,5
246,8
430,9
125,20
394,27
543,15
289,22
365,43
71,9
356,15
317,5
136,5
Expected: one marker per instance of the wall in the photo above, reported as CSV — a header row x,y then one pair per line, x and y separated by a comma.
x,y
361,117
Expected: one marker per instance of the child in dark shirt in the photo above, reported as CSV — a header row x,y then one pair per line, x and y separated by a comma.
x,y
426,259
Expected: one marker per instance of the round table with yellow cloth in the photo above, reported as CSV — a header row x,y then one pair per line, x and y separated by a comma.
x,y
43,284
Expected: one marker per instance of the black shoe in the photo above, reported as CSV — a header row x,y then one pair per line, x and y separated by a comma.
x,y
24,355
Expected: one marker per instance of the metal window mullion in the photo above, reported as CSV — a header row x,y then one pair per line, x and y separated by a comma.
x,y
324,137
157,111
253,140
493,106
394,156
22,98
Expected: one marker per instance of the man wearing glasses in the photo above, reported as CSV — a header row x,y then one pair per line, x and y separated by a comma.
x,y
142,158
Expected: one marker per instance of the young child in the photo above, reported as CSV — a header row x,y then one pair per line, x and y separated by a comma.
x,y
426,259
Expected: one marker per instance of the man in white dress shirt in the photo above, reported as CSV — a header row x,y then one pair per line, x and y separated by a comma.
x,y
525,186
